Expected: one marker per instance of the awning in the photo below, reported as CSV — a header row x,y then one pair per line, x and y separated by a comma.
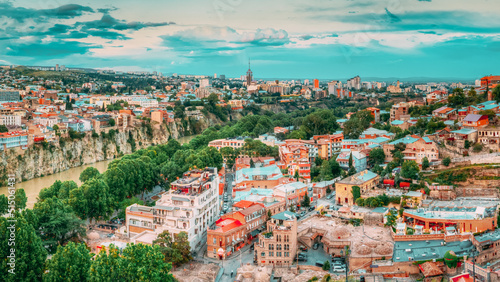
x,y
254,233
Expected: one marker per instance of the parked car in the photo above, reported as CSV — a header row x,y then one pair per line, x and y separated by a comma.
x,y
302,213
316,246
300,258
311,208
319,263
338,269
303,248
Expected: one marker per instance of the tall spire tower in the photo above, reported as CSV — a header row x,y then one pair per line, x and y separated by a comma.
x,y
249,74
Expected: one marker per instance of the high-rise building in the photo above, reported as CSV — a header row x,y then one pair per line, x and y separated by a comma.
x,y
204,83
9,95
222,76
215,75
354,83
316,83
57,67
249,74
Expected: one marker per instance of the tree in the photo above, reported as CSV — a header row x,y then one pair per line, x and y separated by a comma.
x,y
307,201
144,263
175,250
425,163
252,164
478,147
92,200
30,254
467,144
356,192
3,129
350,160
269,215
360,202
376,156
357,124
446,161
351,171
296,175
450,259
4,204
496,93
112,122
410,170
391,218
326,265
21,199
70,263
55,127
88,173
57,223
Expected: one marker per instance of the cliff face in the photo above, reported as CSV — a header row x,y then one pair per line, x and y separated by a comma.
x,y
41,160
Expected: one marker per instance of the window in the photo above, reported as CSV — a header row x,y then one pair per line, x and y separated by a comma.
x,y
263,254
271,254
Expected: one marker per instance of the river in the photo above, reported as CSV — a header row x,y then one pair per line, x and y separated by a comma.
x,y
32,187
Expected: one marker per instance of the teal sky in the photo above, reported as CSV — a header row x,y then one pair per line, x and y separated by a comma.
x,y
326,39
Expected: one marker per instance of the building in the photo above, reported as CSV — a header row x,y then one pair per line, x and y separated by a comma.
x,y
278,246
258,177
293,192
444,112
359,160
246,162
249,76
234,143
10,120
488,245
464,214
365,180
417,148
235,230
10,95
316,83
401,111
13,139
191,205
475,121
375,113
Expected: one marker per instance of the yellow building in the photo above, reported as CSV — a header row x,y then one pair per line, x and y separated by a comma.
x,y
413,199
365,180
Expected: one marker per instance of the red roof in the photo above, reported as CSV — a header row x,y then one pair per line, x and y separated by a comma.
x,y
404,184
243,204
389,181
227,224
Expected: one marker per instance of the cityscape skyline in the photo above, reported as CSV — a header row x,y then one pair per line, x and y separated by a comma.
x,y
323,39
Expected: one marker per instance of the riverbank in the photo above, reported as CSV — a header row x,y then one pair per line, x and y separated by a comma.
x,y
33,186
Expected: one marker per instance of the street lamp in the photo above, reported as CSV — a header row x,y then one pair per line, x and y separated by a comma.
x,y
346,260
473,256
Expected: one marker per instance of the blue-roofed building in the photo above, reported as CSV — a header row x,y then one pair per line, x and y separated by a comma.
x,y
259,177
465,134
416,149
405,251
366,180
488,245
359,160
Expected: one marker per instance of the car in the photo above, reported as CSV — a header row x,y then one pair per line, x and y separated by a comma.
x,y
303,213
339,269
303,248
301,258
316,246
319,263
311,208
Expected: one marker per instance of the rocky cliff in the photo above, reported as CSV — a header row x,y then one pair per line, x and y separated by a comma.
x,y
44,159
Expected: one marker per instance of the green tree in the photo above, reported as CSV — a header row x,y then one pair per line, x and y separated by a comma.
x,y
89,173
92,200
326,265
4,204
70,263
175,250
496,93
57,223
450,259
376,156
357,124
3,129
478,147
112,122
410,170
144,263
106,266
30,254
425,163
360,202
351,171
446,161
21,199
356,192
307,201
391,218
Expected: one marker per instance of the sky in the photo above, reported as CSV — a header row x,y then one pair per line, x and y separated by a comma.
x,y
325,39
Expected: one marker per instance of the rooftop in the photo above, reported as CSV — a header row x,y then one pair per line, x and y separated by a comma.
x,y
430,249
359,178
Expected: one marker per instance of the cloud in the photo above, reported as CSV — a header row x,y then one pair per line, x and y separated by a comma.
x,y
22,14
392,18
51,49
108,22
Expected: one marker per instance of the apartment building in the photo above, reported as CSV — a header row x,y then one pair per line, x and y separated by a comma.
x,y
235,230
191,205
278,246
10,120
417,148
365,180
234,143
13,139
401,110
259,177
359,160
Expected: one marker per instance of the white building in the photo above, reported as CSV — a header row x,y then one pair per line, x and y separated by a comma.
x,y
191,205
10,120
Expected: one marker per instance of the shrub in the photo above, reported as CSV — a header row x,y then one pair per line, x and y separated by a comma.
x,y
446,161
